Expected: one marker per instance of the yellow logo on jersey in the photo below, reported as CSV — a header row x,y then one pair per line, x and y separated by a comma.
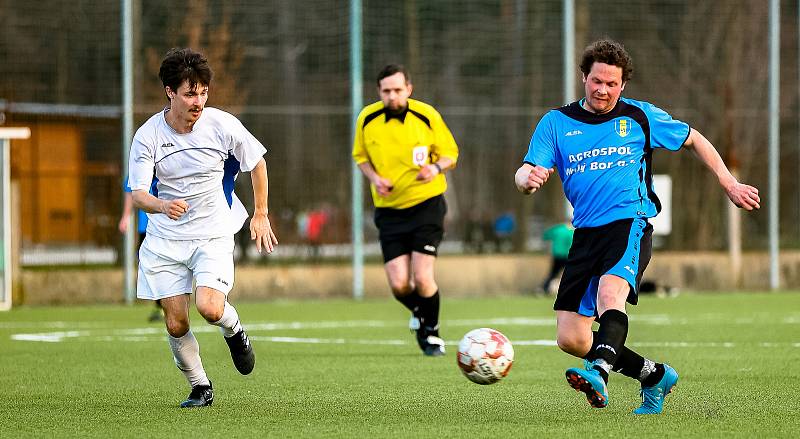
x,y
621,127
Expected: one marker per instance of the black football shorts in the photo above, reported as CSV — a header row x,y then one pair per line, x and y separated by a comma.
x,y
418,228
621,248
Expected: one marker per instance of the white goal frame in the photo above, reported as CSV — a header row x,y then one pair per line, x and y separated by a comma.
x,y
6,134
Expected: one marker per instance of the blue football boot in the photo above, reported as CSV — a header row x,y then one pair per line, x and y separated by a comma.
x,y
590,382
653,397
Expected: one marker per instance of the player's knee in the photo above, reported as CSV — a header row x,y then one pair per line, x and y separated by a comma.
x,y
176,327
400,287
425,283
574,344
210,312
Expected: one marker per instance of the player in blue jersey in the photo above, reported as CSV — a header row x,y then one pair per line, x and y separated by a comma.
x,y
141,229
601,147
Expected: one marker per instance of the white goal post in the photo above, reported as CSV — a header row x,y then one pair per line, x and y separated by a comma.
x,y
6,134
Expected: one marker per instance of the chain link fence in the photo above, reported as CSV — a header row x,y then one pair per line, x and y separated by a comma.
x,y
492,68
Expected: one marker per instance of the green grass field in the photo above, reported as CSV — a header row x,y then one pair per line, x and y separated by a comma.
x,y
347,369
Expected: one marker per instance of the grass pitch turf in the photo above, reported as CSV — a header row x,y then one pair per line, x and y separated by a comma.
x,y
352,369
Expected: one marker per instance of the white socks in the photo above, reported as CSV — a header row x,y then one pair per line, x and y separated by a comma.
x,y
186,351
229,323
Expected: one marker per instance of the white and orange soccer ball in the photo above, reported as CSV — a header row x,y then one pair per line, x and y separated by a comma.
x,y
485,355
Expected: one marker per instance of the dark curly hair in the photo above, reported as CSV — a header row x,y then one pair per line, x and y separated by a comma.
x,y
180,65
607,52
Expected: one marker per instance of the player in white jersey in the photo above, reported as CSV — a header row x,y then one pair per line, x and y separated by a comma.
x,y
194,152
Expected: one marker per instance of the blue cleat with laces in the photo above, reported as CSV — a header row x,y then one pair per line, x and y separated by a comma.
x,y
653,397
589,382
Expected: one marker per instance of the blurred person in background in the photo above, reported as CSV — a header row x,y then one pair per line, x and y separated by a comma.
x,y
404,148
141,228
503,231
195,152
560,237
602,148
315,223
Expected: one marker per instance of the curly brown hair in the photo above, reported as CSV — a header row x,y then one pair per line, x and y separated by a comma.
x,y
607,52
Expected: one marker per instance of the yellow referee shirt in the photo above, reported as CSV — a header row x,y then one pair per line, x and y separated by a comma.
x,y
399,146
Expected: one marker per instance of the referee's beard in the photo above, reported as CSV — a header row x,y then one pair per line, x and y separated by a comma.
x,y
396,111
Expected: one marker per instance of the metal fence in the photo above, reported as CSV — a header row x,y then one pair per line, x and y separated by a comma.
x,y
491,67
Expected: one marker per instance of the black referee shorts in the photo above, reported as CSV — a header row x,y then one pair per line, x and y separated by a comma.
x,y
417,228
622,248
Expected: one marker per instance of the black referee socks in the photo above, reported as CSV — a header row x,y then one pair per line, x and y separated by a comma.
x,y
429,311
410,301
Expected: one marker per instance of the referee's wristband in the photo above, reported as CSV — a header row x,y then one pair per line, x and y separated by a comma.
x,y
438,167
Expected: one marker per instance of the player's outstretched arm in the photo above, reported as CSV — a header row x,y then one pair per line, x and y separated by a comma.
x,y
260,227
740,194
530,178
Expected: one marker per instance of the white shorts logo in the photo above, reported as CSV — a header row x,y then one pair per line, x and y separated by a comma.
x,y
630,270
430,248
420,155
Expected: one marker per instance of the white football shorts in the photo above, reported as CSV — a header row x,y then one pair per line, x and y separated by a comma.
x,y
167,267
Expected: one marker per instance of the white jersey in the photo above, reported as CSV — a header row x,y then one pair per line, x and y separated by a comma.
x,y
199,167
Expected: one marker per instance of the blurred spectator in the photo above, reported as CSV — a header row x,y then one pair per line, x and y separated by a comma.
x,y
315,225
504,226
560,237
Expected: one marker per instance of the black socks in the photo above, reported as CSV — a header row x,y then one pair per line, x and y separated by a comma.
x,y
426,308
410,301
630,364
429,313
610,339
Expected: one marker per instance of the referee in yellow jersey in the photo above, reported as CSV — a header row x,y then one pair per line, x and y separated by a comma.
x,y
404,148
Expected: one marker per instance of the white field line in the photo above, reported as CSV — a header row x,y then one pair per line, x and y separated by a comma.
x,y
333,324
156,333
650,319
329,340
56,337
53,324
50,337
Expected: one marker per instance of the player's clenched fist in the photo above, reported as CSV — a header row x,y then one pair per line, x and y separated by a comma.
x,y
530,178
174,209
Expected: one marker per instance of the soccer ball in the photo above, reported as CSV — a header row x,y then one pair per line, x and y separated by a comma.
x,y
485,355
